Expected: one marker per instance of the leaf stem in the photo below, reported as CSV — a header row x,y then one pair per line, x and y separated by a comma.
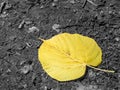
x,y
41,39
110,71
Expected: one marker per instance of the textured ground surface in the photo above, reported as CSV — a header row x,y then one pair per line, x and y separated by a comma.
x,y
23,21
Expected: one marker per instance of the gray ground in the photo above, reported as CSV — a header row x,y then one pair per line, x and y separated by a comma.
x,y
22,22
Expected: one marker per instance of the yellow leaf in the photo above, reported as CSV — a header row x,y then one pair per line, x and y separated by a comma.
x,y
65,56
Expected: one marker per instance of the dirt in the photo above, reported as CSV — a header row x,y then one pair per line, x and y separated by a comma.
x,y
22,22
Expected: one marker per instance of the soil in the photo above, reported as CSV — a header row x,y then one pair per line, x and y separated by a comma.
x,y
22,22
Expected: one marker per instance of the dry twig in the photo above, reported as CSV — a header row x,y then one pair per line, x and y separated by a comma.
x,y
85,2
92,2
2,6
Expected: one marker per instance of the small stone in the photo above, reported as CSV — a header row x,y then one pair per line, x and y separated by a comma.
x,y
119,75
56,27
26,69
45,88
53,4
33,29
4,14
28,21
72,1
8,71
25,85
117,39
41,6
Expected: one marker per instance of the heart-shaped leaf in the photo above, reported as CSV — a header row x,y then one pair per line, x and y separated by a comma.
x,y
65,56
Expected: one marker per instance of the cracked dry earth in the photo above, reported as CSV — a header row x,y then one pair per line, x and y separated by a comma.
x,y
22,22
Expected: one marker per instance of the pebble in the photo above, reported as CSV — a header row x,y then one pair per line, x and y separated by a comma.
x,y
26,69
72,1
45,88
56,27
28,21
4,14
117,39
33,29
53,4
119,75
